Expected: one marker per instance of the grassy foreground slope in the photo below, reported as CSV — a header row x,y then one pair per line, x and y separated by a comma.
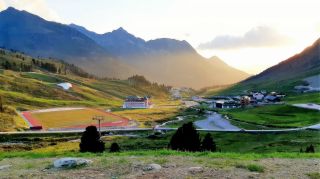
x,y
31,83
242,155
173,165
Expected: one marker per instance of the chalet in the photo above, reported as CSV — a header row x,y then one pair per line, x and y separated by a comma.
x,y
65,86
136,102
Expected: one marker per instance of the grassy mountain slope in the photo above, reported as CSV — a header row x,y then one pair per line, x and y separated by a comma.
x,y
115,54
285,75
28,33
33,86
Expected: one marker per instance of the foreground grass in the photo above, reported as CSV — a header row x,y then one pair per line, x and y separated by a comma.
x,y
241,143
159,153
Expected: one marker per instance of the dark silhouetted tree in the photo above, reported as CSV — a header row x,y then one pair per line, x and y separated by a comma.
x,y
186,138
301,150
114,147
90,140
208,144
310,149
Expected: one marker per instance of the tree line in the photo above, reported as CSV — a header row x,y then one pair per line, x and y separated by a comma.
x,y
186,138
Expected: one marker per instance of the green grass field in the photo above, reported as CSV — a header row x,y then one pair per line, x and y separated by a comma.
x,y
276,116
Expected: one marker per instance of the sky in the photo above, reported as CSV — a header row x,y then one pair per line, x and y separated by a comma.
x,y
250,35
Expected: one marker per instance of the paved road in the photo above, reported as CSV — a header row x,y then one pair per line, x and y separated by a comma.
x,y
308,106
215,121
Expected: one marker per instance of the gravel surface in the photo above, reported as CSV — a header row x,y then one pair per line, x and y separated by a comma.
x,y
167,167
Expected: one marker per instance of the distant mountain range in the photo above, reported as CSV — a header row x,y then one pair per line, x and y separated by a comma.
x,y
114,54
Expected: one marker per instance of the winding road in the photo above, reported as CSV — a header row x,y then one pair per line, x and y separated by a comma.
x,y
215,121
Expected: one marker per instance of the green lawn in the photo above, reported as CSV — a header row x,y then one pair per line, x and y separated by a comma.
x,y
276,116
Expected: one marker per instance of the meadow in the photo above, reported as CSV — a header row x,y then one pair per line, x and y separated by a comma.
x,y
283,116
290,142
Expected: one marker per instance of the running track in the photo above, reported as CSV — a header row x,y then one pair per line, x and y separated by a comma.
x,y
27,115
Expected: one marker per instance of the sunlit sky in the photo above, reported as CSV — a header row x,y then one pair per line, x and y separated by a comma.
x,y
250,35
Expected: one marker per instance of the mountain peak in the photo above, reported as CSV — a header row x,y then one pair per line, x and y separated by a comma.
x,y
120,30
11,9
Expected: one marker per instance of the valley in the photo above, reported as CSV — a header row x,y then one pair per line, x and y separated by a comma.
x,y
159,107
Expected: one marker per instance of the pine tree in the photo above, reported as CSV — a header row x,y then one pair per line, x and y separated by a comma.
x,y
186,138
208,144
90,140
310,149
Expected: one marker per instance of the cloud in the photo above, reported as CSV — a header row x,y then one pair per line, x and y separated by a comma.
x,y
261,36
38,7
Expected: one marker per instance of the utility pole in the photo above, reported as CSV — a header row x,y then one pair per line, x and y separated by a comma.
x,y
99,119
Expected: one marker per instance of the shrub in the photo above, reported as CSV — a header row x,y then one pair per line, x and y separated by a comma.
x,y
255,168
186,138
310,149
114,147
208,144
90,140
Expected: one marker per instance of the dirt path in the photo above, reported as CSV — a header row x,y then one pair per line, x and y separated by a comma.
x,y
171,167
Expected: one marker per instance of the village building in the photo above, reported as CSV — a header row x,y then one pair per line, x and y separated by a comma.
x,y
225,104
197,99
136,102
175,93
272,98
245,100
258,96
65,86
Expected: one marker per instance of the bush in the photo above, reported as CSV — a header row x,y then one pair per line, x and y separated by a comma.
x,y
310,149
186,138
90,140
208,144
114,147
255,168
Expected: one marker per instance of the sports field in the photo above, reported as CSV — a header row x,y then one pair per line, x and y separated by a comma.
x,y
67,118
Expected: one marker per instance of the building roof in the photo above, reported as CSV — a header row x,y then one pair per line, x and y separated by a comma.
x,y
65,86
136,99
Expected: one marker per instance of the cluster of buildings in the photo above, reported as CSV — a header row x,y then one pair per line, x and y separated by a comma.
x,y
253,98
137,102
